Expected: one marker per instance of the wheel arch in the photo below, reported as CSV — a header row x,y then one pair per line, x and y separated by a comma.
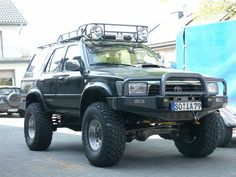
x,y
36,97
96,92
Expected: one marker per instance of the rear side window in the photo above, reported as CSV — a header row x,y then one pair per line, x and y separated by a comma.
x,y
37,61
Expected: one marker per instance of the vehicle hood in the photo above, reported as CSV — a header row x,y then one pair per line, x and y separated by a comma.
x,y
132,72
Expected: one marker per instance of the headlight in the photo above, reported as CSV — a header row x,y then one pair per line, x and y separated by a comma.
x,y
137,88
212,88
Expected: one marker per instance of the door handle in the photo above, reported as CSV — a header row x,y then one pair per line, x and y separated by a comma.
x,y
63,77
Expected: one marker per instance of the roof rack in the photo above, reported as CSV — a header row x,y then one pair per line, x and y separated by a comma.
x,y
47,45
105,32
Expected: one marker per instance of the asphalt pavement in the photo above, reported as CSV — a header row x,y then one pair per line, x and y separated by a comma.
x,y
65,158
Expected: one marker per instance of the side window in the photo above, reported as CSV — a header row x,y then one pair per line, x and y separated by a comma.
x,y
37,61
56,58
72,51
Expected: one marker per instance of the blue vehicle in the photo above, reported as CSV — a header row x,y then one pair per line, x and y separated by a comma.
x,y
210,50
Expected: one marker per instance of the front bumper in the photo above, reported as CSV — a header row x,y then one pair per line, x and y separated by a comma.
x,y
159,106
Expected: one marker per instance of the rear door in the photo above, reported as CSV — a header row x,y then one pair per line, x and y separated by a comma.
x,y
48,81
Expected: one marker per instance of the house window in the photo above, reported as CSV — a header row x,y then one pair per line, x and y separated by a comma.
x,y
7,77
1,46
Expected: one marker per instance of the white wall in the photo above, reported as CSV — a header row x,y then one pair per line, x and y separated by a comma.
x,y
11,41
13,52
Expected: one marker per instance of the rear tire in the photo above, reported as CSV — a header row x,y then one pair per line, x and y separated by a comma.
x,y
202,139
225,135
103,135
37,128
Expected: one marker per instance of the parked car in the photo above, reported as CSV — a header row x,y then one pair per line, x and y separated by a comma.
x,y
103,80
10,97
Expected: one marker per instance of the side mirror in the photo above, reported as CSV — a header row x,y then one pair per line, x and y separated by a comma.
x,y
72,65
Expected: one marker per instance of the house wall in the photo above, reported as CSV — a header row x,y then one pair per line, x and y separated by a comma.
x,y
12,61
11,41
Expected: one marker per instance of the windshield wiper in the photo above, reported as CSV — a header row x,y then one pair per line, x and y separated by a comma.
x,y
104,63
149,65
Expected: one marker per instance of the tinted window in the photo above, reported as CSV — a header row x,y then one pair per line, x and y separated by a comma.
x,y
54,64
72,52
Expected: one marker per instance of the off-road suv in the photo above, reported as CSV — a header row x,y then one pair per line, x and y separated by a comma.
x,y
102,80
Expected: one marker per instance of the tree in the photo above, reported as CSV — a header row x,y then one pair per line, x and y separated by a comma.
x,y
216,10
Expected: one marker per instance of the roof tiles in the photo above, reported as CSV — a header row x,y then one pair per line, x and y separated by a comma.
x,y
9,14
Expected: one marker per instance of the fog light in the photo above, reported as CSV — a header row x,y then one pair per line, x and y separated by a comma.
x,y
219,100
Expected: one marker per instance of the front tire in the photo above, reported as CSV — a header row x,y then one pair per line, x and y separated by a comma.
x,y
37,128
202,139
103,135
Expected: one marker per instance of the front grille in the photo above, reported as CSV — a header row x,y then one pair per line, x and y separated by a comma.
x,y
155,89
185,88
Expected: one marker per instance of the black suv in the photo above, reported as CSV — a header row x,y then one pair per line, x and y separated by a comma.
x,y
102,80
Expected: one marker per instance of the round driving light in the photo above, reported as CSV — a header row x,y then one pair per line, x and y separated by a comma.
x,y
142,34
96,32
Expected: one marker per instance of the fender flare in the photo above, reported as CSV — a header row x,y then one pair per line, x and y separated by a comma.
x,y
35,95
99,87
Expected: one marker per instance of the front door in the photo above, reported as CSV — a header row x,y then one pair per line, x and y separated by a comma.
x,y
70,84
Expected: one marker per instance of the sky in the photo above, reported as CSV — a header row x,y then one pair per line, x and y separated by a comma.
x,y
47,19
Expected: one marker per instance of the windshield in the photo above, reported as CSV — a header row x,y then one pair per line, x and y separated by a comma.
x,y
122,55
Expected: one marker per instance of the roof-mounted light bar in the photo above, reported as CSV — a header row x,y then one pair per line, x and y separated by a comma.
x,y
108,32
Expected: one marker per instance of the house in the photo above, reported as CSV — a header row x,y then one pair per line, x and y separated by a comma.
x,y
12,62
162,38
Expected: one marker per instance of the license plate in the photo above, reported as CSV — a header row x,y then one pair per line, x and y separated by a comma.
x,y
12,110
186,106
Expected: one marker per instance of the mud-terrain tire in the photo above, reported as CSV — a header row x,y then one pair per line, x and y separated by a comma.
x,y
37,128
225,135
204,138
103,135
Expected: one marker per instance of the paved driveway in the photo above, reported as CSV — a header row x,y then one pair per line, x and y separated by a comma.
x,y
65,158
